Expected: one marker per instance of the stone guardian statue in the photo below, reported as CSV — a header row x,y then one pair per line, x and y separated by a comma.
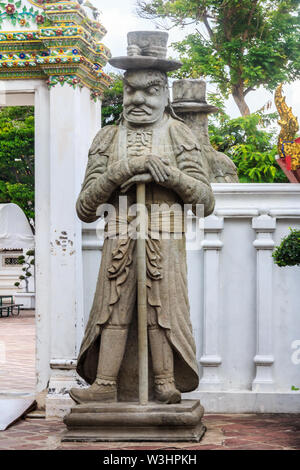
x,y
153,146
189,103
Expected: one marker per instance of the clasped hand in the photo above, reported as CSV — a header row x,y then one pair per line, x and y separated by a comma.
x,y
151,168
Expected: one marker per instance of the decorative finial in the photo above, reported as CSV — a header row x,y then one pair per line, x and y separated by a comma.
x,y
288,122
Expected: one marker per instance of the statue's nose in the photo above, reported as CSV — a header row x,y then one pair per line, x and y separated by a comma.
x,y
138,98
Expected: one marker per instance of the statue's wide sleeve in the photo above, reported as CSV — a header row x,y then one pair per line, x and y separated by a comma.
x,y
101,179
190,178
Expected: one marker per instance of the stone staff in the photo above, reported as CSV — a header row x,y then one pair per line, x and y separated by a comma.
x,y
142,294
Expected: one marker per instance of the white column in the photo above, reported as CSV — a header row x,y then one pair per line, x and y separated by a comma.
x,y
70,122
211,359
264,225
42,242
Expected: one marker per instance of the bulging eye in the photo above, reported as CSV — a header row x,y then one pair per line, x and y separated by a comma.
x,y
153,90
128,89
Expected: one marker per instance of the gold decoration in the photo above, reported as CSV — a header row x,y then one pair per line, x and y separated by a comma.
x,y
293,149
289,127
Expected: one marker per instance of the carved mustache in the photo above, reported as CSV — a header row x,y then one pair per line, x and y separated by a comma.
x,y
139,108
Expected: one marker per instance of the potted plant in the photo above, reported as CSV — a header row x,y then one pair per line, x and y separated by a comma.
x,y
27,298
288,252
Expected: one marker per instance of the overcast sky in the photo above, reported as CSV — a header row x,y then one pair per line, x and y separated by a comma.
x,y
119,17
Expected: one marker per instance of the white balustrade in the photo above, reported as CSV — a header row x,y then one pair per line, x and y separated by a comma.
x,y
244,308
211,359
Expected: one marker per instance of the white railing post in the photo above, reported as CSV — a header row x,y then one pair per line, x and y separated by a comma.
x,y
211,359
264,225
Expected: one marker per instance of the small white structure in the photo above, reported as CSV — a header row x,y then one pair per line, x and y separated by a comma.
x,y
16,238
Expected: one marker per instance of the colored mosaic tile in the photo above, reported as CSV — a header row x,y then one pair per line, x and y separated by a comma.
x,y
18,14
65,43
17,36
71,80
95,95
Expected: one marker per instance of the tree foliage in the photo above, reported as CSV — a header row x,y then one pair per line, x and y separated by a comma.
x,y
17,158
288,252
239,44
112,101
248,143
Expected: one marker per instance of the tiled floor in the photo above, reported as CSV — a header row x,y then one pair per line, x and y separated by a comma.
x,y
17,352
224,432
17,373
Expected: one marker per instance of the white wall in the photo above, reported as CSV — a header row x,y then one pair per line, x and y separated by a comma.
x,y
246,319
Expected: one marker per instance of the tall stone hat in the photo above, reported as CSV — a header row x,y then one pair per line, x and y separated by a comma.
x,y
189,96
146,50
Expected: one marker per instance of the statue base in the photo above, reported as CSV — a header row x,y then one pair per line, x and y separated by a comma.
x,y
129,421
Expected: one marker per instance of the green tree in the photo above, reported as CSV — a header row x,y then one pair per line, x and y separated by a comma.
x,y
28,264
17,158
239,44
112,101
249,141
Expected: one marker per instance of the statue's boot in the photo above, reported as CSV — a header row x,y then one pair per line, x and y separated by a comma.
x,y
98,391
112,348
163,367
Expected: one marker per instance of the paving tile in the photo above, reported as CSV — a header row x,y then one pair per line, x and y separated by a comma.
x,y
256,447
224,431
18,367
43,434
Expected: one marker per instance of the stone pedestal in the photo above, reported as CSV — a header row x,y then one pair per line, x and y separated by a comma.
x,y
133,422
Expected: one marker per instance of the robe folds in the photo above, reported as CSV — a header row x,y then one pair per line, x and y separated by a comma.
x,y
167,294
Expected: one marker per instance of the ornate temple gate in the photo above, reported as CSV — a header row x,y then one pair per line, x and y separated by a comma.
x,y
51,57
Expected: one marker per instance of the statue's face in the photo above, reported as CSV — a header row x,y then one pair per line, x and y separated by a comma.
x,y
145,97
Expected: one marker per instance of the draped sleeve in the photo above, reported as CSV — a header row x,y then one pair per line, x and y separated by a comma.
x,y
190,178
101,178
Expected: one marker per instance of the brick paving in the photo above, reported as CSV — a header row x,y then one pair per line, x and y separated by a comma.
x,y
17,352
224,432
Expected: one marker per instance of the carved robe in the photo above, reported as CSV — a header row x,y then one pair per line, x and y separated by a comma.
x,y
167,298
